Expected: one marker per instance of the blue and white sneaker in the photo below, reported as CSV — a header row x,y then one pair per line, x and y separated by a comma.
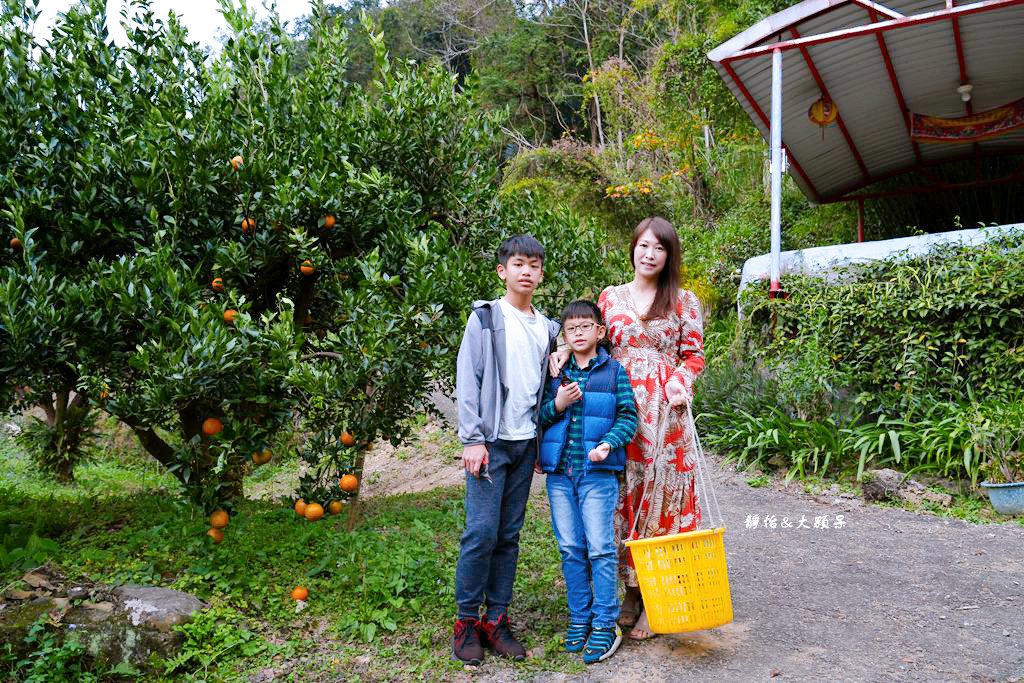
x,y
576,637
602,644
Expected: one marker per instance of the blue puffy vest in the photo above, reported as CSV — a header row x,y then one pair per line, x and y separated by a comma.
x,y
599,395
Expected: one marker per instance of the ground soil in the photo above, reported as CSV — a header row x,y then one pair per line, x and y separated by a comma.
x,y
892,595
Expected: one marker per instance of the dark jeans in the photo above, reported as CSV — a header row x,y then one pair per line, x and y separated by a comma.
x,y
495,511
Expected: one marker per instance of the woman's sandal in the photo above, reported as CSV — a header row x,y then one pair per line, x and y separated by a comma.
x,y
632,606
642,630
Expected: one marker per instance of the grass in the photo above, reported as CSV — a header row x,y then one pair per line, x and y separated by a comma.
x,y
381,597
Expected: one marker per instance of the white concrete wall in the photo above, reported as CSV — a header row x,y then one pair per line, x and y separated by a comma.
x,y
828,261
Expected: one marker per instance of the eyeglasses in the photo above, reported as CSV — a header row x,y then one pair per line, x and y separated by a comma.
x,y
582,327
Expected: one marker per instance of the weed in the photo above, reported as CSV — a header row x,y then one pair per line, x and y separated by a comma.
x,y
211,635
759,481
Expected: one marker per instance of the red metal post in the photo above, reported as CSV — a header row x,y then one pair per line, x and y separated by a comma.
x,y
860,220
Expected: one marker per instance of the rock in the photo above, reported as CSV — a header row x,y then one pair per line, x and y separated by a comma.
x,y
916,497
132,625
157,608
881,485
78,592
943,499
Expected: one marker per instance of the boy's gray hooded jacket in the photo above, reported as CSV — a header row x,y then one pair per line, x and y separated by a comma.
x,y
480,386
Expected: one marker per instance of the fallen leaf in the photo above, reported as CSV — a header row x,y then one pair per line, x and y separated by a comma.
x,y
38,581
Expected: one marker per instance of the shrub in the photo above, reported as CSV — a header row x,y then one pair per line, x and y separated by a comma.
x,y
903,331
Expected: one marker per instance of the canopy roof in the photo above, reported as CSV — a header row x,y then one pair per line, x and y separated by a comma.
x,y
879,65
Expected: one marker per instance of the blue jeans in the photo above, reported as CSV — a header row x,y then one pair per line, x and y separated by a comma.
x,y
583,517
495,511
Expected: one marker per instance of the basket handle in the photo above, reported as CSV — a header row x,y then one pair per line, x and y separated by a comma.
x,y
713,508
702,462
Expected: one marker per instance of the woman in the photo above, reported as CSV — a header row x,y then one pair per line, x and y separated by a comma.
x,y
656,333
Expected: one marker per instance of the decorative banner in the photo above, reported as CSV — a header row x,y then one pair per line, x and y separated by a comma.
x,y
987,124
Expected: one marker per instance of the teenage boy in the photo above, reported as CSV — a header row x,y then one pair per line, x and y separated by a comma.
x,y
589,417
499,384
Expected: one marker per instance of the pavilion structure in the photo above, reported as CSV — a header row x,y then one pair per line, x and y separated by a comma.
x,y
852,92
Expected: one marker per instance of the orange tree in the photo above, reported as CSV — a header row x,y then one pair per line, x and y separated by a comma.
x,y
139,234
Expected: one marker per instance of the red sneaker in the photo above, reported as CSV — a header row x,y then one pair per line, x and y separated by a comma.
x,y
466,645
497,635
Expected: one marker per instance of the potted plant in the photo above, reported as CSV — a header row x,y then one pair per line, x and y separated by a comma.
x,y
1004,482
1004,468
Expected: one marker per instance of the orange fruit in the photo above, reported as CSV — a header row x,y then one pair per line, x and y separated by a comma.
x,y
347,439
236,162
219,519
217,285
216,534
334,507
329,221
230,315
15,243
212,425
314,511
307,267
348,483
299,593
248,225
300,507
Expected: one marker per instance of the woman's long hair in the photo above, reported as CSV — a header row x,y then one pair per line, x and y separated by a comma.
x,y
668,279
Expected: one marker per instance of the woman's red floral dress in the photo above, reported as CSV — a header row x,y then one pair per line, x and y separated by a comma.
x,y
657,491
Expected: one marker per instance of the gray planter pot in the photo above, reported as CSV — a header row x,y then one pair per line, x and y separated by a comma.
x,y
1007,499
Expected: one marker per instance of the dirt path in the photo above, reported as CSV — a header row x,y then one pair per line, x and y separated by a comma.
x,y
891,595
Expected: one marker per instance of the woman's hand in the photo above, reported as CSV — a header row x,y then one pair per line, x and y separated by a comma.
x,y
676,393
556,360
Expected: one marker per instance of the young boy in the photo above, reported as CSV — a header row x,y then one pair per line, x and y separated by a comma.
x,y
589,416
499,384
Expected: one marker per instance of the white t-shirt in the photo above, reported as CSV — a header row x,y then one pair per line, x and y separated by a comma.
x,y
526,343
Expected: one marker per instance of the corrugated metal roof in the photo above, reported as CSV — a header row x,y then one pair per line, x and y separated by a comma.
x,y
846,42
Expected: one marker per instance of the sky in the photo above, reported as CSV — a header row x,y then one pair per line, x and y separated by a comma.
x,y
200,16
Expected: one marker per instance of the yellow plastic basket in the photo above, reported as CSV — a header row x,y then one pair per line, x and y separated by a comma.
x,y
684,580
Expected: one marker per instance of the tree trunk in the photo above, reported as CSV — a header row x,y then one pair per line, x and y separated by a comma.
x,y
200,468
590,61
353,512
63,452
